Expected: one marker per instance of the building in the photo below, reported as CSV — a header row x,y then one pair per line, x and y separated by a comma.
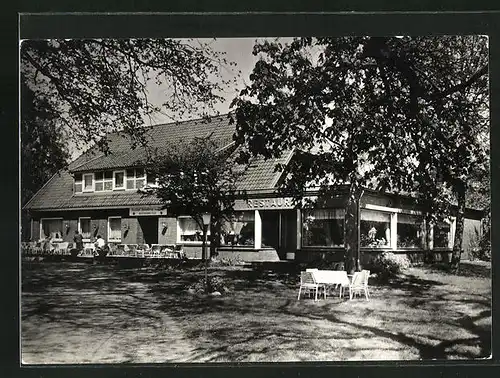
x,y
98,194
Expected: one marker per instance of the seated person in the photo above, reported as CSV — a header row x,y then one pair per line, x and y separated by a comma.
x,y
100,245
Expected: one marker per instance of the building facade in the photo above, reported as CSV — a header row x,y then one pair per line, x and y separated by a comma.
x,y
100,194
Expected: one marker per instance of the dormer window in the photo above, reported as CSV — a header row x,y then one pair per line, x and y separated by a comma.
x,y
88,182
78,183
103,181
107,181
119,180
136,178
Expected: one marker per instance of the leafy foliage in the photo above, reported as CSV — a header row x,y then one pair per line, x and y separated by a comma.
x,y
388,264
43,150
74,92
198,177
96,86
215,283
394,114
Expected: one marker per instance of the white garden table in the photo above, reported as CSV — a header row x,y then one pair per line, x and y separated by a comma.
x,y
331,278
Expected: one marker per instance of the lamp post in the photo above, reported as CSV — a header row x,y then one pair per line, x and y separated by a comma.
x,y
206,222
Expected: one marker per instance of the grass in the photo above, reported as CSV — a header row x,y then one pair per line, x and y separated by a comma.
x,y
79,313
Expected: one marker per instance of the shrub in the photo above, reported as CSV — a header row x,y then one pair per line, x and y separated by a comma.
x,y
226,261
215,283
388,264
480,246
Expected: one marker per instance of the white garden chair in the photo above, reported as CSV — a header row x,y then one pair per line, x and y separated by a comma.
x,y
309,284
359,284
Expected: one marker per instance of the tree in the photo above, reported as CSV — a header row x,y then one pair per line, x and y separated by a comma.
x,y
365,111
198,177
97,86
43,151
75,92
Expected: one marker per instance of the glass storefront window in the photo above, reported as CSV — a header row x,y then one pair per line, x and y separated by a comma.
x,y
410,231
239,230
190,231
442,235
323,228
375,229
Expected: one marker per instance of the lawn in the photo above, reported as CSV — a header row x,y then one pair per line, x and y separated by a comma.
x,y
84,313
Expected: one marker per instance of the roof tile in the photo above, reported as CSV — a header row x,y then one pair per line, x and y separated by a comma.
x,y
58,192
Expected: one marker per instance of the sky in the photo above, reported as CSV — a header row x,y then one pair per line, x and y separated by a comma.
x,y
238,50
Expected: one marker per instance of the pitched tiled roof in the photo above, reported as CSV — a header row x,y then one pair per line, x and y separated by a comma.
x,y
159,136
261,175
58,192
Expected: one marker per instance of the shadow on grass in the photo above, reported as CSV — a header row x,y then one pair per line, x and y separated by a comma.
x,y
413,292
467,269
259,316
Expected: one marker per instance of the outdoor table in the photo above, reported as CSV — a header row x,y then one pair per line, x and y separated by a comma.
x,y
331,278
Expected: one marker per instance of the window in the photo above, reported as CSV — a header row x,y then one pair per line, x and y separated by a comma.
x,y
52,227
84,228
88,182
442,234
103,181
189,230
114,229
410,231
136,178
119,180
375,229
78,183
323,228
151,180
240,229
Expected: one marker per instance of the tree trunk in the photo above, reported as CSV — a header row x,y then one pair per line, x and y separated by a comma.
x,y
204,244
429,253
459,229
214,238
351,232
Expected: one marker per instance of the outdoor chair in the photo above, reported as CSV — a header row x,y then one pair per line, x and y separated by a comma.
x,y
61,248
168,251
25,248
111,249
32,247
132,250
121,249
338,266
179,249
88,249
359,284
37,249
143,249
155,250
309,285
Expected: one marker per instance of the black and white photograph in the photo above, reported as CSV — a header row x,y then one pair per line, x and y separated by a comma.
x,y
255,200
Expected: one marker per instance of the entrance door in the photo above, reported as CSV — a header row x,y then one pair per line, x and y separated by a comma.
x,y
270,229
149,227
289,231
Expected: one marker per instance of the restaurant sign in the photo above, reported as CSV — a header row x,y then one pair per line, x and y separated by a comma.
x,y
264,204
145,211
